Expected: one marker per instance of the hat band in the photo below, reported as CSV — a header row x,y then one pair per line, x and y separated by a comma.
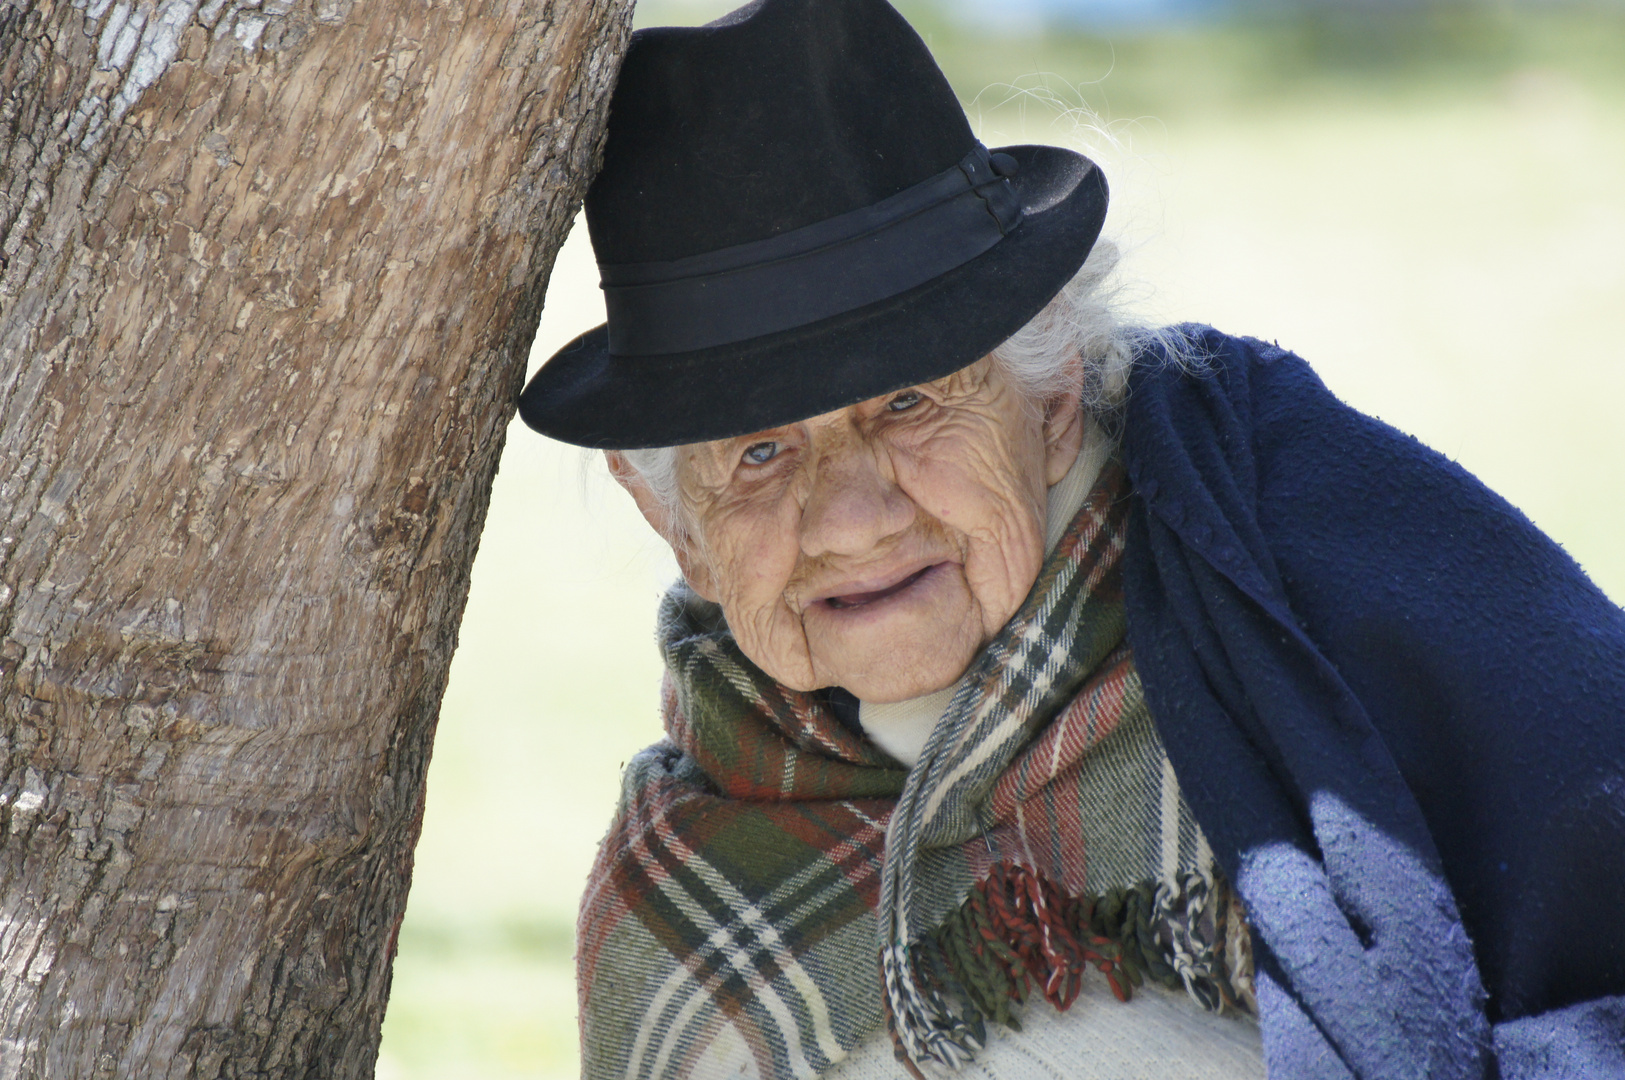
x,y
816,272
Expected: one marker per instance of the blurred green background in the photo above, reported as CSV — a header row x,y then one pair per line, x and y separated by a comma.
x,y
1427,202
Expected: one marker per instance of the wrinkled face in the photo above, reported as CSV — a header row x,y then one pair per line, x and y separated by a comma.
x,y
877,547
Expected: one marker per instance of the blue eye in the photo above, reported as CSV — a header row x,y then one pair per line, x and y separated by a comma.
x,y
906,400
761,453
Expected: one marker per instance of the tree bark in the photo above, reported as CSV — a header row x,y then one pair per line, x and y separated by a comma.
x,y
270,272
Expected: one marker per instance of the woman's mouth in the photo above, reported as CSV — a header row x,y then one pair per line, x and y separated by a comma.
x,y
859,599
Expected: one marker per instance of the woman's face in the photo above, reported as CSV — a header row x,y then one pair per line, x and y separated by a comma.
x,y
877,547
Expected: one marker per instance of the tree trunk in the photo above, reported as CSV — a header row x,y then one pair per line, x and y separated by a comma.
x,y
270,272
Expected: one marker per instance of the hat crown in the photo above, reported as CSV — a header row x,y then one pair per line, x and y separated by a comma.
x,y
780,115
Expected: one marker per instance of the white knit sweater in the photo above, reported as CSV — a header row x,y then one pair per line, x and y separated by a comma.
x,y
1158,1035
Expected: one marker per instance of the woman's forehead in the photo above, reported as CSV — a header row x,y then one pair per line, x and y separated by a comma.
x,y
957,383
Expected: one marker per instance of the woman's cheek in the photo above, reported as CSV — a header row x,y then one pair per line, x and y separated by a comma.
x,y
1000,574
757,557
1006,553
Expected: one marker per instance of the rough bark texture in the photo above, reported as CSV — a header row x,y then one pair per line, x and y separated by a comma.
x,y
271,267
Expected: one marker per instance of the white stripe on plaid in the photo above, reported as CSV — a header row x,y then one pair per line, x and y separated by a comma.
x,y
722,939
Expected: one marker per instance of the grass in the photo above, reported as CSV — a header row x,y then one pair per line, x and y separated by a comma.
x,y
1437,229
1367,53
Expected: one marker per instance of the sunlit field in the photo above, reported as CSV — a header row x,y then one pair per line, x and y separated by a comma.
x,y
1433,214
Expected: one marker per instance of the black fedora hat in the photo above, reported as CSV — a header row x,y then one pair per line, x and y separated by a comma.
x,y
792,216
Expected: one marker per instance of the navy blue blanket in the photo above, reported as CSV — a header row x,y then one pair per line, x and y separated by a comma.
x,y
1398,711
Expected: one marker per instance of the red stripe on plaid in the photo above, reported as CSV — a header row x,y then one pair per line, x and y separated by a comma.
x,y
1049,831
1091,716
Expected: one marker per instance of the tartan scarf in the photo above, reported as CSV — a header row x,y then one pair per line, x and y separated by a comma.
x,y
774,887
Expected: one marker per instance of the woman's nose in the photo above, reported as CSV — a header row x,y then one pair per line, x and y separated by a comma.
x,y
853,504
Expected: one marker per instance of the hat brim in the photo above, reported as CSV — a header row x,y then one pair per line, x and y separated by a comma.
x,y
586,396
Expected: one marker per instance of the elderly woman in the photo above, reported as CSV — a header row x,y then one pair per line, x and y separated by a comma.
x,y
1047,697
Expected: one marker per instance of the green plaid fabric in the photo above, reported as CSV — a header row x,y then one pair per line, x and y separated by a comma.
x,y
769,874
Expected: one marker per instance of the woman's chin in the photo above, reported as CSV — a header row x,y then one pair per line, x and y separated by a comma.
x,y
903,647
907,681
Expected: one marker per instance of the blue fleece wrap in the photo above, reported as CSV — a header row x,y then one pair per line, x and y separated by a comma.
x,y
1398,711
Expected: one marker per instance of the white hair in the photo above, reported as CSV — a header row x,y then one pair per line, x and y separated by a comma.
x,y
1083,321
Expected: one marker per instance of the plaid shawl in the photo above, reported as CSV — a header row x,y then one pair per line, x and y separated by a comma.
x,y
766,864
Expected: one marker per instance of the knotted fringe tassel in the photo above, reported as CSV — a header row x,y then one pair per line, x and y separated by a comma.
x,y
1018,931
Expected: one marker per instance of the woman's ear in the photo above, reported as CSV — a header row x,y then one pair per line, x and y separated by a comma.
x,y
1064,424
664,520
